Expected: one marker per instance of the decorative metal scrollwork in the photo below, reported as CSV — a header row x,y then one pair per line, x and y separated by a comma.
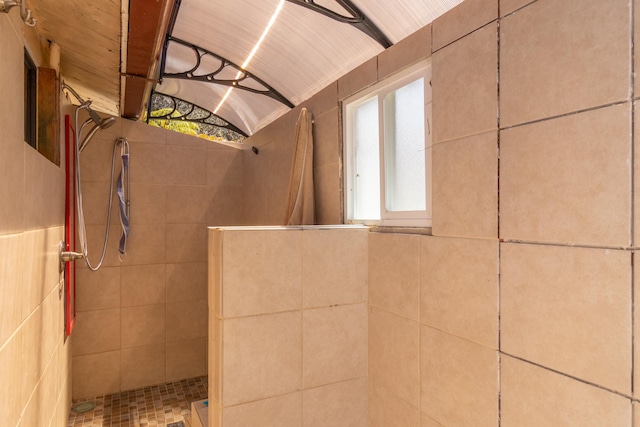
x,y
211,68
356,18
167,107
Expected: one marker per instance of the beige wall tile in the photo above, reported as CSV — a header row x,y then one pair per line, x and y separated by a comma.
x,y
33,362
334,268
95,160
364,75
53,323
145,244
342,404
148,163
96,374
636,413
281,411
187,141
97,290
143,325
96,331
262,272
30,269
509,6
11,294
394,273
548,189
10,372
386,409
186,359
265,198
143,285
214,272
12,172
225,168
335,344
95,242
12,113
186,204
95,198
262,357
465,87
148,204
186,320
186,166
44,192
425,421
468,16
457,373
41,407
394,355
325,100
136,131
465,187
186,243
551,51
406,52
142,366
328,194
326,138
187,282
225,206
460,288
533,397
568,309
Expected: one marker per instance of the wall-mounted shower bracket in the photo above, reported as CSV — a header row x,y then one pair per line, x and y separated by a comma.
x,y
25,14
67,256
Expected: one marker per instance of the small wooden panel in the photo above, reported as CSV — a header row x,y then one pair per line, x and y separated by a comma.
x,y
47,115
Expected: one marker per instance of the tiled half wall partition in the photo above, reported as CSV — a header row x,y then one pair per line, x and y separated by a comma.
x,y
288,326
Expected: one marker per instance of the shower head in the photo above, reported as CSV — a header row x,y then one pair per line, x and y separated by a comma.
x,y
101,122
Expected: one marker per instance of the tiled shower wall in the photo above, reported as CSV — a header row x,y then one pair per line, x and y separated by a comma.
x,y
518,310
143,320
35,359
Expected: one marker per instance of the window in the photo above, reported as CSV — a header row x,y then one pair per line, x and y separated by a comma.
x,y
387,138
30,89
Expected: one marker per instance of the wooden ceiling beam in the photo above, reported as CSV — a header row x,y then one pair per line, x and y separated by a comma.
x,y
148,22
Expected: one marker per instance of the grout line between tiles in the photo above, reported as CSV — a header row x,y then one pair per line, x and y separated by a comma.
x,y
517,10
499,361
564,374
633,315
570,113
632,197
569,245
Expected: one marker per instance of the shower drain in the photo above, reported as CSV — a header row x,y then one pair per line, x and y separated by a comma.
x,y
178,424
81,408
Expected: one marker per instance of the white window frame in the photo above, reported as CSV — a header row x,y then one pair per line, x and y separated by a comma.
x,y
392,83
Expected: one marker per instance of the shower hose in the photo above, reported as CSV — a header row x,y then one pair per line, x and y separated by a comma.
x,y
123,197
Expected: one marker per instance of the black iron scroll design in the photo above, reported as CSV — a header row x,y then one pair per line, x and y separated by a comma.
x,y
225,73
176,109
356,18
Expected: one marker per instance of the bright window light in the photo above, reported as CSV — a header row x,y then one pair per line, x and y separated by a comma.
x,y
388,151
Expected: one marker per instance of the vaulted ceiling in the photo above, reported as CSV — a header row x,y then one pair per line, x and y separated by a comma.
x,y
207,52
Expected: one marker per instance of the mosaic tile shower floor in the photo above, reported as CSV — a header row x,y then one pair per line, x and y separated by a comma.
x,y
155,406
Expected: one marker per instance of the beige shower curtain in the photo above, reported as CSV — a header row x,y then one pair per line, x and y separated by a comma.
x,y
301,198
